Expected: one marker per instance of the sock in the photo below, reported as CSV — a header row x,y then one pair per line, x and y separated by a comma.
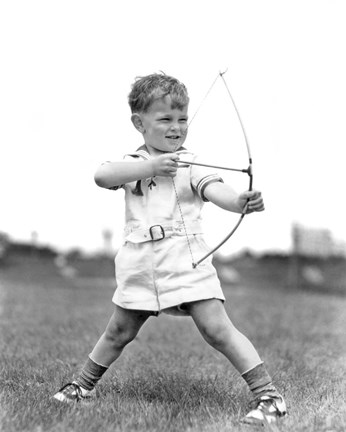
x,y
260,382
90,374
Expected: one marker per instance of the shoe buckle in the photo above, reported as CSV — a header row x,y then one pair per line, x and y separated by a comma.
x,y
157,232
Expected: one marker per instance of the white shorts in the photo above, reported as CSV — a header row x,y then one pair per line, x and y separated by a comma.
x,y
158,275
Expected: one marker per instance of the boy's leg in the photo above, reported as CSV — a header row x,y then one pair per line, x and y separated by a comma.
x,y
122,328
217,329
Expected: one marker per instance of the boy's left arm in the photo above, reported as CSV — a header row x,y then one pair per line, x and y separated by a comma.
x,y
227,198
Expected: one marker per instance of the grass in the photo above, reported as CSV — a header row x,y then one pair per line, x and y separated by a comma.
x,y
168,379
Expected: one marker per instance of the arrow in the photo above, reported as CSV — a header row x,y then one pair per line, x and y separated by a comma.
x,y
247,170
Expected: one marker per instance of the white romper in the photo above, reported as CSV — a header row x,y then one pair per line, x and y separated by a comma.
x,y
153,267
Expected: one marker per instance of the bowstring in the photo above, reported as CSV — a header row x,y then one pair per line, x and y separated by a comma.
x,y
204,99
248,171
183,223
221,74
194,264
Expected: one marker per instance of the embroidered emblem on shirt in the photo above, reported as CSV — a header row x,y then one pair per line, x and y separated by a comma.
x,y
152,183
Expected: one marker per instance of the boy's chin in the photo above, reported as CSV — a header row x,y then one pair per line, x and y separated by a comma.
x,y
175,147
167,147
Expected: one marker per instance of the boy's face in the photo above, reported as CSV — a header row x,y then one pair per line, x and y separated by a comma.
x,y
164,129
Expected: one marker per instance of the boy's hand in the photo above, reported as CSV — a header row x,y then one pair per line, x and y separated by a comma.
x,y
165,165
253,200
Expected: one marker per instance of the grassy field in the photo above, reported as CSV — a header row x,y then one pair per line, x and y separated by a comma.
x,y
168,379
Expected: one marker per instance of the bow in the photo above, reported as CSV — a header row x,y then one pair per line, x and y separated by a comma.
x,y
247,170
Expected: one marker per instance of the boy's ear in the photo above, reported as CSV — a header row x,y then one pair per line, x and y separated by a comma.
x,y
137,122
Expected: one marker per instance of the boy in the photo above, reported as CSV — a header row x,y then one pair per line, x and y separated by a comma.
x,y
162,231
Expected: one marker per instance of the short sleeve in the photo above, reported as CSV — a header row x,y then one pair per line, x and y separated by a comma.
x,y
201,177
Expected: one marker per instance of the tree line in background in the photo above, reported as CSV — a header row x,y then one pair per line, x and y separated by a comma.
x,y
292,270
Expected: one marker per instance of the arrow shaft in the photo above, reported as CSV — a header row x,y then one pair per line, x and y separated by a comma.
x,y
214,166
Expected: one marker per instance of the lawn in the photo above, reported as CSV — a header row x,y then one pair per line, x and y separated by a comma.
x,y
168,379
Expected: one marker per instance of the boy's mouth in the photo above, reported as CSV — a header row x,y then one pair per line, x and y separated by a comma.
x,y
174,140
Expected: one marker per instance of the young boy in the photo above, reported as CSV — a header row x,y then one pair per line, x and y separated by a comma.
x,y
154,272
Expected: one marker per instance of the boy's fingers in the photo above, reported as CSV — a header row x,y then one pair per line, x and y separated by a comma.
x,y
252,194
254,201
176,159
177,164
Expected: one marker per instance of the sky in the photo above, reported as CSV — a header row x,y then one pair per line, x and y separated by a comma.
x,y
67,68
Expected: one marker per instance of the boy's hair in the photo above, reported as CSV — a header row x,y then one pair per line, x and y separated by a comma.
x,y
147,89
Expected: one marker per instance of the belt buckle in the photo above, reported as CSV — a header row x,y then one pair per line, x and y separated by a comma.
x,y
153,234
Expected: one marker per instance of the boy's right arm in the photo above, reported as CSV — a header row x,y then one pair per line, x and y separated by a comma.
x,y
112,174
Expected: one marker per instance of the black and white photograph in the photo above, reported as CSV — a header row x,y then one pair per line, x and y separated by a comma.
x,y
172,220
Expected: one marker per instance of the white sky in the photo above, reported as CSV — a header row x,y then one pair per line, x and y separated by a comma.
x,y
66,70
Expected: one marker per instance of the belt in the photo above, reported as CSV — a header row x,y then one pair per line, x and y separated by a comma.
x,y
159,232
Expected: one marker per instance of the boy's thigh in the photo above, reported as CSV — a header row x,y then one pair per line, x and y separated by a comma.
x,y
204,309
128,318
212,321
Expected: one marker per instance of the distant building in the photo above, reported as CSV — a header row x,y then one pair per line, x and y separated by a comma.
x,y
315,242
107,236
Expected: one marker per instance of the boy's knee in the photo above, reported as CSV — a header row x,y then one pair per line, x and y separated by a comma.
x,y
215,333
120,335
